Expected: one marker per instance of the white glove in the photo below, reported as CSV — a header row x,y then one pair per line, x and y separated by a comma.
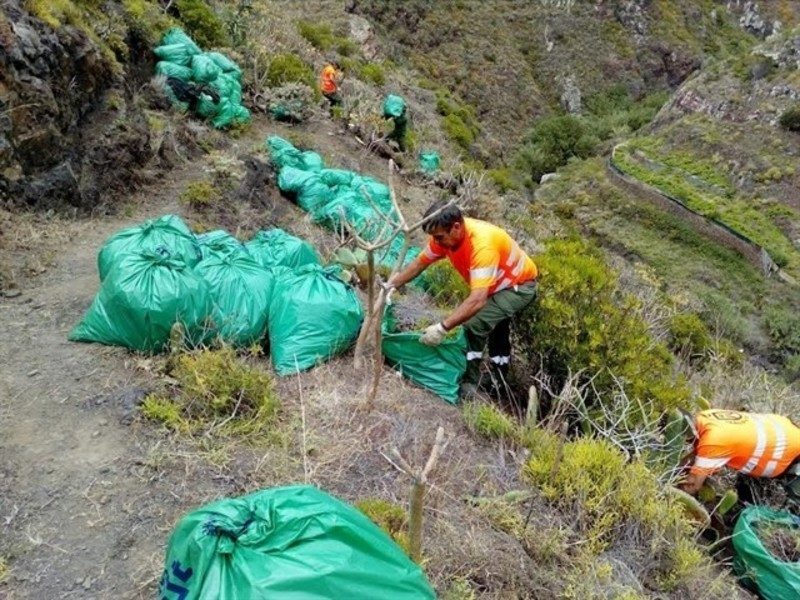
x,y
388,290
433,335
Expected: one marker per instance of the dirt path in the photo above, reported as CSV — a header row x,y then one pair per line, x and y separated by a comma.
x,y
69,483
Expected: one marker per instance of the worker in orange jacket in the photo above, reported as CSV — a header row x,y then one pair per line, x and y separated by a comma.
x,y
502,281
329,81
756,445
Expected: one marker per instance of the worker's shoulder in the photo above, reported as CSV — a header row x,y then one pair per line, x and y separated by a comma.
x,y
483,229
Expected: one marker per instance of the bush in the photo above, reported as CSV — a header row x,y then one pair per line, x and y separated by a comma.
x,y
445,284
583,323
489,421
552,142
791,368
202,23
200,194
689,335
289,68
784,328
458,132
503,179
790,119
215,391
318,35
373,73
388,516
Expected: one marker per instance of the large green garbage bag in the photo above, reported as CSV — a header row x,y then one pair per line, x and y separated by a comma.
x,y
241,290
292,180
204,69
429,162
314,315
376,191
276,248
311,161
142,297
394,107
287,543
313,194
437,368
229,113
178,54
774,579
170,69
176,35
206,107
219,243
226,64
283,153
334,177
168,234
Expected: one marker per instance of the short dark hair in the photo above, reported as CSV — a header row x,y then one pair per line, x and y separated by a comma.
x,y
445,219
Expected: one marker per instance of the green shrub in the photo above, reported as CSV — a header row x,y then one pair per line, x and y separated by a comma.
x,y
583,323
552,142
445,284
783,325
593,480
489,421
388,516
318,35
458,132
791,368
215,391
289,68
790,119
200,194
689,335
503,179
202,23
373,73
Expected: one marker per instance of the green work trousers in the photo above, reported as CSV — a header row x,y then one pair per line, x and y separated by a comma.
x,y
493,324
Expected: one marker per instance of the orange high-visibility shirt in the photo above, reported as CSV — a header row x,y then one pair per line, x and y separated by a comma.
x,y
756,445
487,258
327,80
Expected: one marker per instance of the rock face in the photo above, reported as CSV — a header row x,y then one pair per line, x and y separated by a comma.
x,y
571,96
361,31
69,134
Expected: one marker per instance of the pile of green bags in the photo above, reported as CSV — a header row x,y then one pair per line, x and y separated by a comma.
x,y
287,542
182,59
774,579
334,197
159,274
429,162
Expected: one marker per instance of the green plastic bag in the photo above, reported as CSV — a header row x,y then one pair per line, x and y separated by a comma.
x,y
334,177
170,69
394,107
176,35
142,297
429,162
276,248
168,234
226,64
241,290
314,315
311,161
283,153
219,243
204,69
178,54
206,107
291,543
229,114
292,180
774,579
437,368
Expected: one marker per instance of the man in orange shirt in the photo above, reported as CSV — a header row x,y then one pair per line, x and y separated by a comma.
x,y
757,445
501,277
329,81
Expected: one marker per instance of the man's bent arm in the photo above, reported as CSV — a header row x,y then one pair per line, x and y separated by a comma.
x,y
410,272
468,308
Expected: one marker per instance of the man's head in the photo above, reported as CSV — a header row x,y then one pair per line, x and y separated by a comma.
x,y
446,227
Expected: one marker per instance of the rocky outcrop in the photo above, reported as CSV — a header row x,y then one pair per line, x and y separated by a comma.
x,y
70,133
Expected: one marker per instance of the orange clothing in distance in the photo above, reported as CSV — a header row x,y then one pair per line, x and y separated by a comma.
x,y
756,445
487,258
328,79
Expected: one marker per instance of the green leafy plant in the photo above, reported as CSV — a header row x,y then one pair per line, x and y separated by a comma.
x,y
373,73
289,68
790,118
445,284
489,421
200,194
215,390
389,516
202,23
